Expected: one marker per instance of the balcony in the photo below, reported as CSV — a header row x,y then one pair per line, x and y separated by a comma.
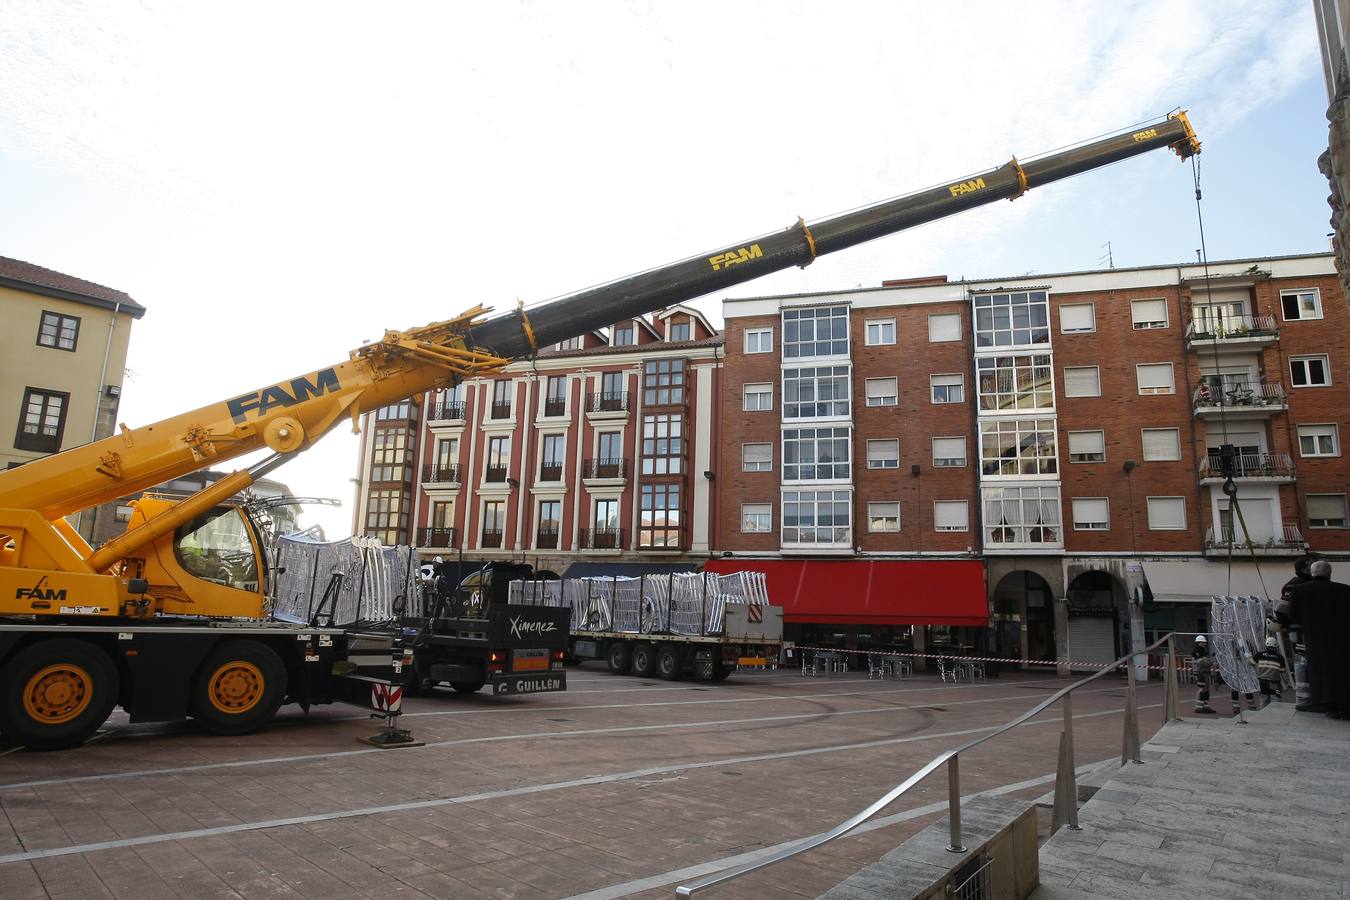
x,y
1243,333
1290,542
499,411
495,474
441,476
437,537
555,408
551,472
607,405
491,540
1275,468
1239,397
445,412
605,470
546,539
601,539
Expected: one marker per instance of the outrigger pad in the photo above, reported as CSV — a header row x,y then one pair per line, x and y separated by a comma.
x,y
392,739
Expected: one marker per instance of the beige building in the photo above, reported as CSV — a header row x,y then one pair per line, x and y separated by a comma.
x,y
62,354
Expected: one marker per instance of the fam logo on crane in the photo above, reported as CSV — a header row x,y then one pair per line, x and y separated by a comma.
x,y
301,389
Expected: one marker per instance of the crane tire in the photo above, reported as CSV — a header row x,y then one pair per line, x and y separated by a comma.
x,y
239,687
56,693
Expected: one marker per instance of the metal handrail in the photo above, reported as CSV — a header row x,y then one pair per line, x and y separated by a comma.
x,y
951,758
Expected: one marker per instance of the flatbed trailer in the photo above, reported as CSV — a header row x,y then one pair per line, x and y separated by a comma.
x,y
672,656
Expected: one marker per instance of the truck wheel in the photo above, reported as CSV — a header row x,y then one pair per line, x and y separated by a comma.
x,y
644,660
722,670
467,687
620,657
239,687
56,693
667,663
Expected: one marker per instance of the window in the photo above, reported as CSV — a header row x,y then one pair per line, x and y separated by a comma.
x,y
949,452
1010,383
612,394
555,396
217,547
759,340
679,331
944,327
551,457
1167,513
816,393
815,454
122,513
442,515
880,332
817,517
1145,314
756,518
570,343
758,397
663,382
607,517
948,388
546,531
756,457
1327,511
883,517
501,399
1076,318
1162,444
659,516
43,421
882,391
1021,515
1012,320
494,523
498,458
883,454
610,448
1310,371
951,515
1091,514
401,410
447,451
386,516
1155,378
1318,440
1082,381
816,332
625,337
1300,304
662,445
1087,447
389,454
1018,447
58,331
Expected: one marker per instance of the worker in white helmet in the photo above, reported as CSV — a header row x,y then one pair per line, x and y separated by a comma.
x,y
1204,674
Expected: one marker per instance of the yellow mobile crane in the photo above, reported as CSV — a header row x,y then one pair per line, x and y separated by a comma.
x,y
167,619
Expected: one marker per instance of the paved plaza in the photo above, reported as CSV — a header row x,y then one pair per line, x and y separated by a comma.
x,y
619,787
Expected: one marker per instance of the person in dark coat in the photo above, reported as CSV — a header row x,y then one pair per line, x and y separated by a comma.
x,y
1321,609
1203,667
1302,575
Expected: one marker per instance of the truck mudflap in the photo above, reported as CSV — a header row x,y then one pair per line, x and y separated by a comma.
x,y
531,683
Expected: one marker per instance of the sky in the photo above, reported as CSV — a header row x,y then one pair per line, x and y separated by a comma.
x,y
279,183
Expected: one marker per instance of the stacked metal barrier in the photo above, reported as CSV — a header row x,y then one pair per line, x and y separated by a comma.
x,y
374,578
689,603
1239,625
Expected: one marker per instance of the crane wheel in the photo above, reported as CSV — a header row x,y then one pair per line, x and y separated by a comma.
x,y
238,688
56,693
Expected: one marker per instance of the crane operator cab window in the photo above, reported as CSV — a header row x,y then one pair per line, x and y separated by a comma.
x,y
218,547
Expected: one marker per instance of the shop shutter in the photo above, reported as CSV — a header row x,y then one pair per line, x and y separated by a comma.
x,y
1092,639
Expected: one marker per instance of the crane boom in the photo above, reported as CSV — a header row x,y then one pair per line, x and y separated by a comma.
x,y
289,416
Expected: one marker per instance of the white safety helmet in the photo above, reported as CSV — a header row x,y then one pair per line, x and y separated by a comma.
x,y
1202,640
1271,643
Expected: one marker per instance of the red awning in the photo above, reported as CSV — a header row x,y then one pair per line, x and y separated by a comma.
x,y
872,592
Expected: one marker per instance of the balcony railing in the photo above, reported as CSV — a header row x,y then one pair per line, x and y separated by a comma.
x,y
546,539
602,539
492,539
1249,465
1239,395
1231,328
436,474
500,411
606,468
446,410
555,407
1289,539
550,472
494,474
608,401
437,537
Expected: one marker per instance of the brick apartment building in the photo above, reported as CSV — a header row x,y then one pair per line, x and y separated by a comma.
x,y
595,457
1032,465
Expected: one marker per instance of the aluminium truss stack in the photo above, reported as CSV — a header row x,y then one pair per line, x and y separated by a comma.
x,y
1239,625
370,580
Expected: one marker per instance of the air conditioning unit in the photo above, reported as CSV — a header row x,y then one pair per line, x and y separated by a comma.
x,y
112,390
